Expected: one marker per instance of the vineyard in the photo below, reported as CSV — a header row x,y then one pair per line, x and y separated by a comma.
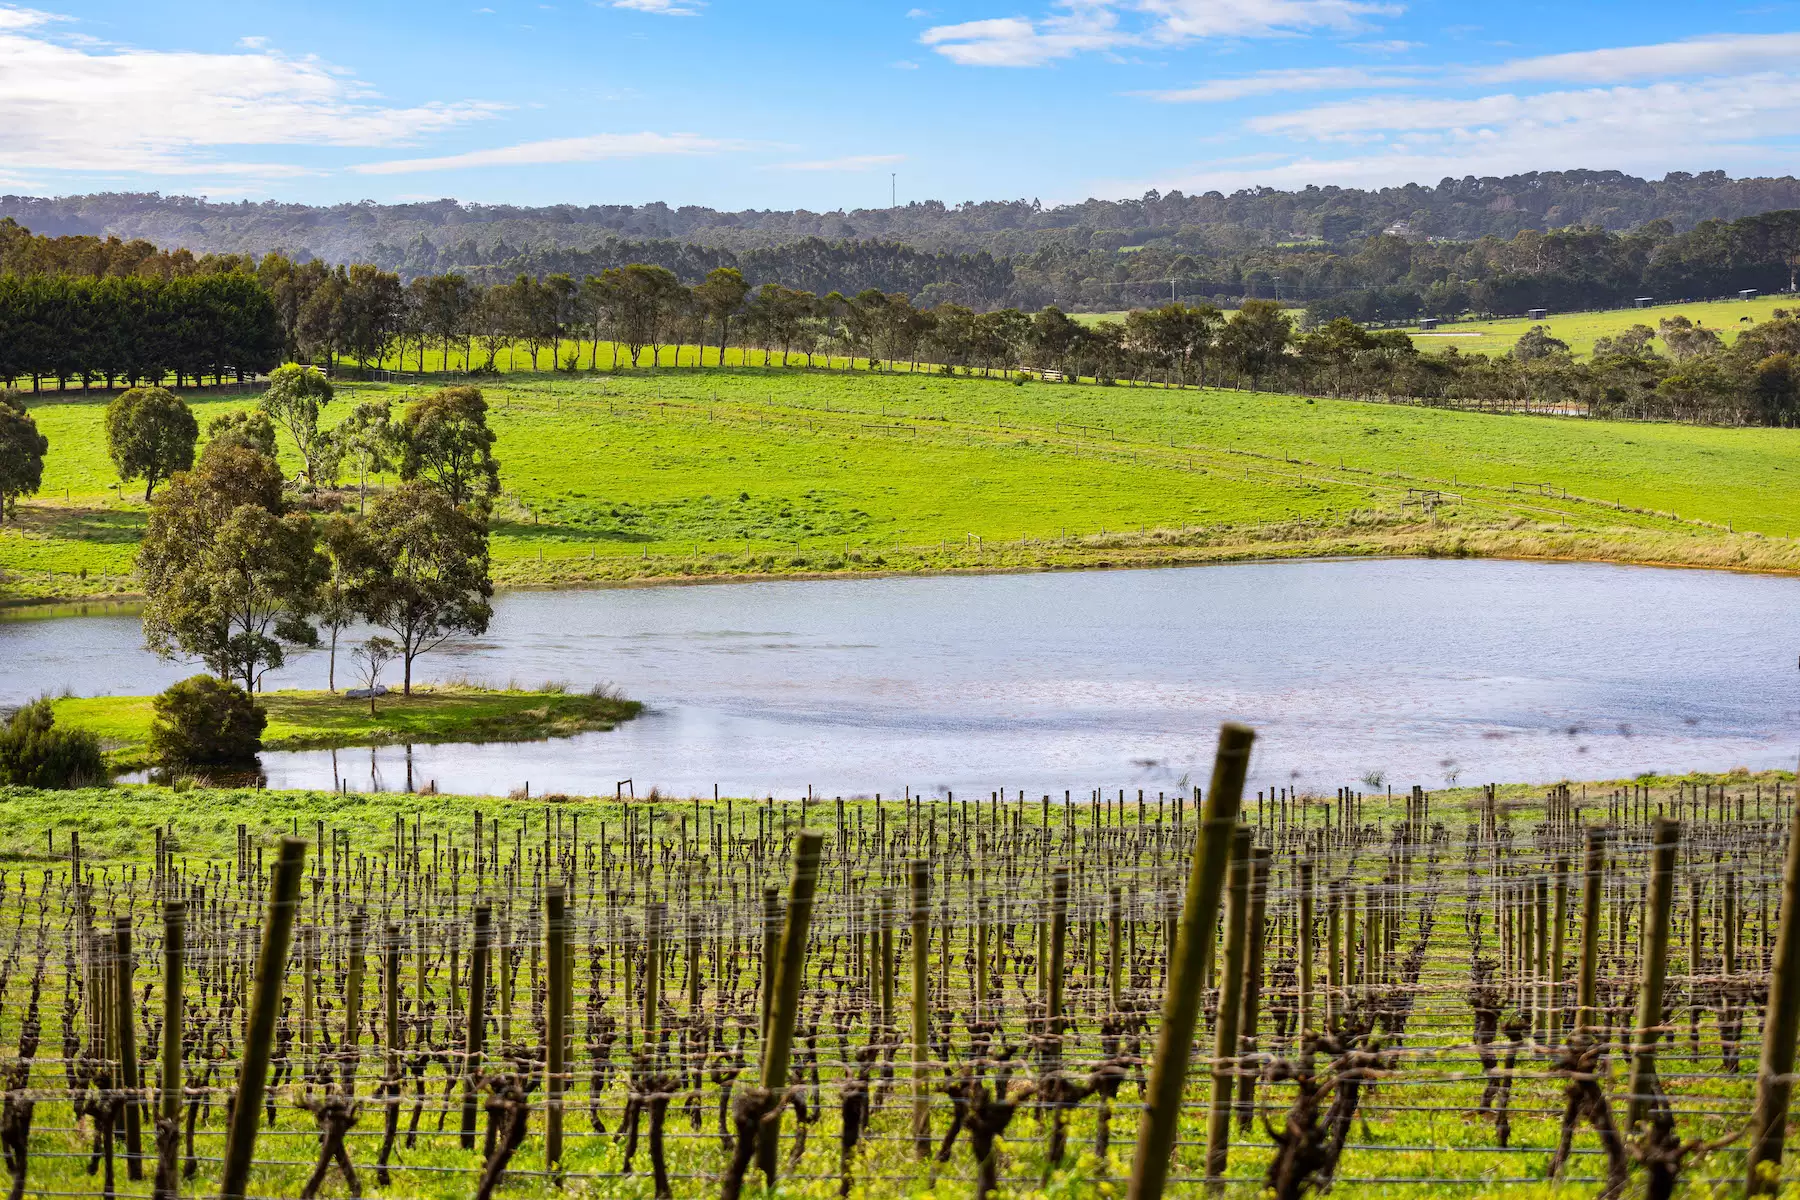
x,y
1392,994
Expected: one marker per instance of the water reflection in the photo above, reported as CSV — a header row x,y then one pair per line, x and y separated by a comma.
x,y
1409,671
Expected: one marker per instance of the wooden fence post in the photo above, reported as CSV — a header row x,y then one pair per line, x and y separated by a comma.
x,y
475,1026
128,1060
265,1006
921,1007
556,1020
169,1097
784,1009
1664,838
1304,931
1231,1001
1593,882
1781,1024
1158,1126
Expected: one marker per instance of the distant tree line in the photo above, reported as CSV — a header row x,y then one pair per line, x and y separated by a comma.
x,y
431,237
644,315
1567,255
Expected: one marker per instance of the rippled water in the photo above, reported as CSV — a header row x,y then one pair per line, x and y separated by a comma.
x,y
1425,671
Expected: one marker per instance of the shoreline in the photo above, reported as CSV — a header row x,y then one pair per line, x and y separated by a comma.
x,y
320,720
1745,553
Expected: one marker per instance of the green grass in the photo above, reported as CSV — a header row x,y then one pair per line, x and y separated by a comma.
x,y
754,472
1420,1123
1580,329
323,720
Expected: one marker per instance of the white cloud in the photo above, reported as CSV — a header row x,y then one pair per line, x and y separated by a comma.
x,y
663,8
852,162
1184,20
1087,25
1272,83
1716,55
88,107
591,148
904,64
1737,109
1389,140
1016,42
253,42
25,18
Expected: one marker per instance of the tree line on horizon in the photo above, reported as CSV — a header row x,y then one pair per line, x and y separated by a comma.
x,y
234,318
1566,257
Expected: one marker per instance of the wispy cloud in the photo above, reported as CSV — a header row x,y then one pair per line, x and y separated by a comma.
x,y
591,148
1078,26
852,162
1280,82
663,8
1719,55
77,105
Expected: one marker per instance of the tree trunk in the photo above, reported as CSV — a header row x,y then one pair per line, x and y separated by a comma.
x,y
406,686
331,664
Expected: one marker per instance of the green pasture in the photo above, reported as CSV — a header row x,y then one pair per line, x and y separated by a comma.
x,y
1580,329
612,476
305,720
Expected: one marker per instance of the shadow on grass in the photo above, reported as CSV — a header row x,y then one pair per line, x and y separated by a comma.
x,y
106,526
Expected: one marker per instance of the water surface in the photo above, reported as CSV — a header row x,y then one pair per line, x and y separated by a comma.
x,y
1421,671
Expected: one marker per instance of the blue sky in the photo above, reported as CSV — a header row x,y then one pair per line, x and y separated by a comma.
x,y
811,104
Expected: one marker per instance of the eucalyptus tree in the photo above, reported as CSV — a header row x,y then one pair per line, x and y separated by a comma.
x,y
294,399
721,297
22,450
150,435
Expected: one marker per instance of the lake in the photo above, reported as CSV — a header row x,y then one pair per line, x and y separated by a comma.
x,y
1417,671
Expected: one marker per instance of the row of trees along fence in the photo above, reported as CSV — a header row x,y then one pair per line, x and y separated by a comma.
x,y
556,993
135,329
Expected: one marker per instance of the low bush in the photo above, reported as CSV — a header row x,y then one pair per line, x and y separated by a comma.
x,y
203,721
34,752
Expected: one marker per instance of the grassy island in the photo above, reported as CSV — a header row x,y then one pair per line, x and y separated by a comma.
x,y
302,720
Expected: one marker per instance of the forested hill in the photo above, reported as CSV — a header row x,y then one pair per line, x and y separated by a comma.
x,y
442,235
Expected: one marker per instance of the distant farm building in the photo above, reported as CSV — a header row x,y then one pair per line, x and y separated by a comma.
x,y
1747,294
1428,322
1644,301
1536,314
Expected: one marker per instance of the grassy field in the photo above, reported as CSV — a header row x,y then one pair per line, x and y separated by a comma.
x,y
751,472
324,720
1580,329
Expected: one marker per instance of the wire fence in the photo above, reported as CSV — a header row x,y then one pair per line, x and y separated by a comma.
x,y
1393,995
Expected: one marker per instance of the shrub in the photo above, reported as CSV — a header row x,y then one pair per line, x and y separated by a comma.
x,y
203,721
35,753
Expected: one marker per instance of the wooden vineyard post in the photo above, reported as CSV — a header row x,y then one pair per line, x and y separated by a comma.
x,y
1160,1123
1664,838
1304,932
1781,1025
556,1020
921,1007
475,1027
390,1041
1231,1001
1593,881
1333,958
169,1098
265,1006
1256,937
353,981
784,1010
1560,918
128,1060
771,913
1115,982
